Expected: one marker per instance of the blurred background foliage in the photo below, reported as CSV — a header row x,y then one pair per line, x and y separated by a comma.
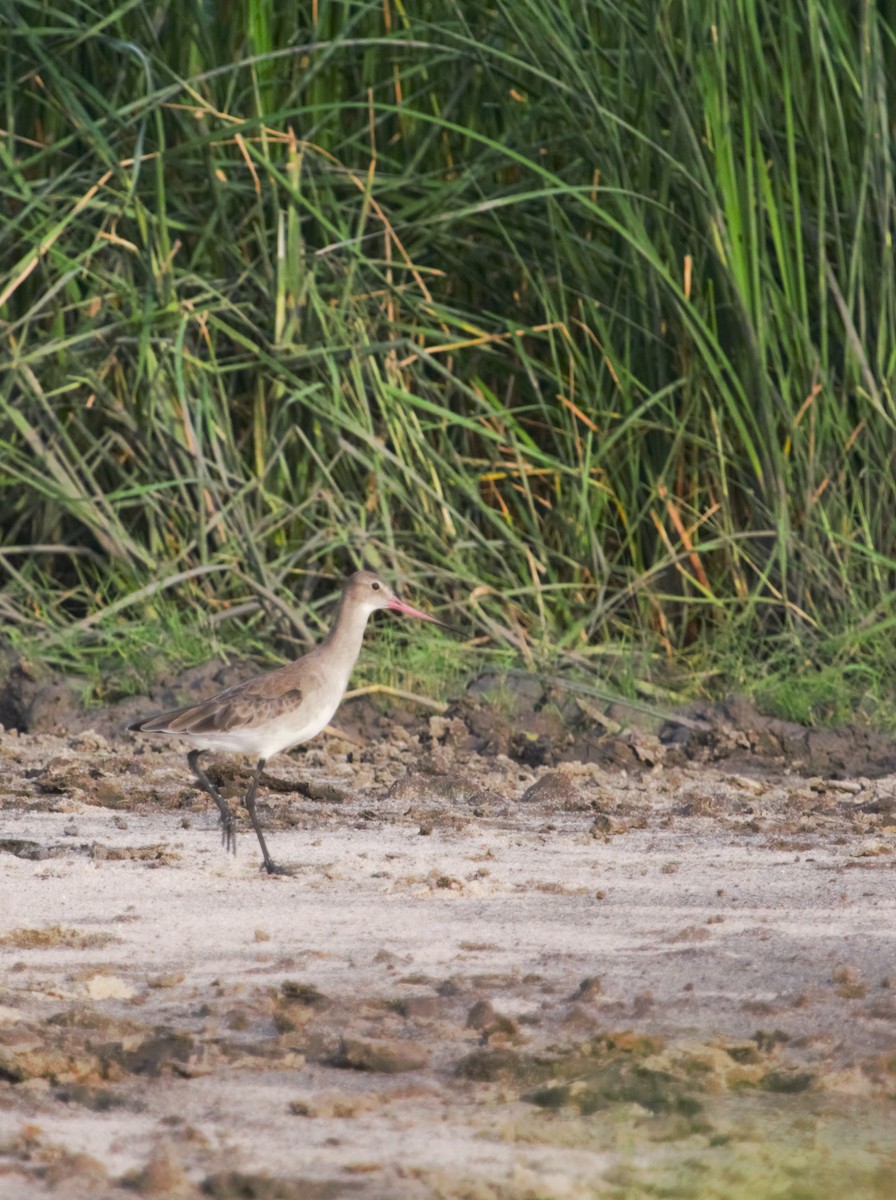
x,y
579,318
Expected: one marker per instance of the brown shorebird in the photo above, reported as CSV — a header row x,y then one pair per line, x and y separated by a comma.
x,y
281,708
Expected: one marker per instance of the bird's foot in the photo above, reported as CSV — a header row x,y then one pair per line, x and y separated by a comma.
x,y
228,832
273,868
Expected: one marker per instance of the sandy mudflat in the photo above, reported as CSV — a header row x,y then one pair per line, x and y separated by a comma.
x,y
669,977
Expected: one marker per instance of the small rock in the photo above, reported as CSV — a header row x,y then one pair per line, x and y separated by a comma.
x,y
90,740
24,848
373,1054
534,750
555,790
240,1185
35,1085
108,987
850,984
108,793
97,1099
481,1015
755,786
489,1065
786,1082
588,990
64,775
332,1103
690,933
79,1172
872,848
488,803
647,747
162,1051
387,958
168,979
163,1175
852,786
699,805
418,1008
501,1032
448,729
305,994
422,787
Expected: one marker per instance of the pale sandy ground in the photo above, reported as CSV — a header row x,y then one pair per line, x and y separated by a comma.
x,y
689,977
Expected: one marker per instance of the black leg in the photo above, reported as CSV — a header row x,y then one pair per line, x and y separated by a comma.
x,y
228,829
249,802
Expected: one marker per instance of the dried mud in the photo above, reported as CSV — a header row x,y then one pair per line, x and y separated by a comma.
x,y
521,953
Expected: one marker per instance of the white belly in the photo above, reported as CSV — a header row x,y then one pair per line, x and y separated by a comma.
x,y
267,738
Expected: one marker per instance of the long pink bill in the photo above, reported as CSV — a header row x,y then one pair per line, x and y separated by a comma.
x,y
408,610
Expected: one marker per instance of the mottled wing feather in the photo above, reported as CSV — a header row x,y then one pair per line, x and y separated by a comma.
x,y
243,706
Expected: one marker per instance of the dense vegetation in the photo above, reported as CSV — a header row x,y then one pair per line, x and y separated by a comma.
x,y
581,315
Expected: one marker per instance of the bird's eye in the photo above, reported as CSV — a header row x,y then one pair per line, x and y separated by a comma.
x,y
375,586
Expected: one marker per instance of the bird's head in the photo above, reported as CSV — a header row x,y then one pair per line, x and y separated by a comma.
x,y
365,589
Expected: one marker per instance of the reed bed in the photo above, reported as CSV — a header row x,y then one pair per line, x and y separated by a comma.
x,y
581,316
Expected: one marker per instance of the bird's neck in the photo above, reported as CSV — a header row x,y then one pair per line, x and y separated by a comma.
x,y
342,645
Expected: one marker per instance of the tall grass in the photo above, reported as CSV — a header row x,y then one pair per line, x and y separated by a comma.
x,y
581,315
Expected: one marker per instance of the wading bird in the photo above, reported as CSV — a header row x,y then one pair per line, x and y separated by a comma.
x,y
279,709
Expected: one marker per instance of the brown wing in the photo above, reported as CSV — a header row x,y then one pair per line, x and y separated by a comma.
x,y
242,706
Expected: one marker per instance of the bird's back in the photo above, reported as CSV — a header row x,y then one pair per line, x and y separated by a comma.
x,y
262,715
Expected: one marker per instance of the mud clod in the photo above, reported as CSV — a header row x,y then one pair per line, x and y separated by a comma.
x,y
481,1015
163,1176
554,790
235,1185
33,851
159,1053
305,995
494,1065
589,989
388,1057
787,1083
